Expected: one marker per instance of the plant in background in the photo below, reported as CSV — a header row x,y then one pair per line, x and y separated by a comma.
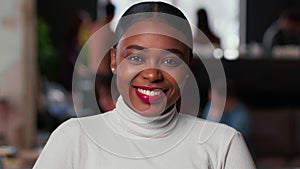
x,y
47,53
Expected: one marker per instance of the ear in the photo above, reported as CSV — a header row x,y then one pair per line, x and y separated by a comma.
x,y
113,62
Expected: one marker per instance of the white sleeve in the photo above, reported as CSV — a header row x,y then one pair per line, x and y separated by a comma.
x,y
57,154
238,156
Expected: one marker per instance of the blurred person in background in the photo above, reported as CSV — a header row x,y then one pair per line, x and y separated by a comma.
x,y
101,37
285,31
76,35
203,25
205,41
235,113
100,41
104,92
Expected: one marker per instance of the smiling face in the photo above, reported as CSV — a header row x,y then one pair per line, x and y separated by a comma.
x,y
150,69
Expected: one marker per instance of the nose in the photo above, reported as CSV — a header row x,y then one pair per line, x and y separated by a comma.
x,y
152,74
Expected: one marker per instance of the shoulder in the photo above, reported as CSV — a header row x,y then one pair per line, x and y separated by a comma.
x,y
209,132
70,140
204,124
214,139
273,28
214,132
271,31
74,127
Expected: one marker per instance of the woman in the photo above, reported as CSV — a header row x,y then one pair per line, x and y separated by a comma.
x,y
153,45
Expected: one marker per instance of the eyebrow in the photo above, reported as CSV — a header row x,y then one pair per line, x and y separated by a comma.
x,y
174,51
136,47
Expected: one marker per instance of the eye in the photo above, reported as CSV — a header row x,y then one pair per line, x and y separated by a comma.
x,y
172,61
135,59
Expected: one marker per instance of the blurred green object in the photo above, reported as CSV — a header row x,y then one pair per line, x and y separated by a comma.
x,y
47,53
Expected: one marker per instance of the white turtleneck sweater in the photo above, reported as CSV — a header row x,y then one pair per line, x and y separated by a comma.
x,y
123,139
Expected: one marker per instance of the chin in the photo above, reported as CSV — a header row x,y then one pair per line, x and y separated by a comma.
x,y
151,110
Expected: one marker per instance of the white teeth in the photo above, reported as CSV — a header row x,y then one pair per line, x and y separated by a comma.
x,y
148,92
151,93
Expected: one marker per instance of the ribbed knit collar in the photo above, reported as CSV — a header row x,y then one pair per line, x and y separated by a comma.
x,y
131,124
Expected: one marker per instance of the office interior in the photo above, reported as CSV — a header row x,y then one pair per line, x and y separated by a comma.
x,y
33,94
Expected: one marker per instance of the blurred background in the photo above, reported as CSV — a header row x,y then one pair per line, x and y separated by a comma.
x,y
258,43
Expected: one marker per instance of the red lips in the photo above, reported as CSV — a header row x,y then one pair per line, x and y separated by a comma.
x,y
149,94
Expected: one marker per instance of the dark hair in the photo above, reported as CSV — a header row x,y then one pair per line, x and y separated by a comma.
x,y
161,10
110,9
291,13
202,19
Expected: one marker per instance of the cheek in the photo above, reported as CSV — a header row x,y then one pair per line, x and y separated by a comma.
x,y
177,81
125,74
178,77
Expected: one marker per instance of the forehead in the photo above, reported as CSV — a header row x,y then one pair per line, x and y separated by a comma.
x,y
153,41
154,26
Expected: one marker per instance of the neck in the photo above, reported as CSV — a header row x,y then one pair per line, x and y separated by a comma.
x,y
133,124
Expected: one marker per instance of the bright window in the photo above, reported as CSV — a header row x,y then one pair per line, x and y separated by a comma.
x,y
224,17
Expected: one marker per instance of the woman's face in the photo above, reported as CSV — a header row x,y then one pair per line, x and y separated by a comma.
x,y
150,69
